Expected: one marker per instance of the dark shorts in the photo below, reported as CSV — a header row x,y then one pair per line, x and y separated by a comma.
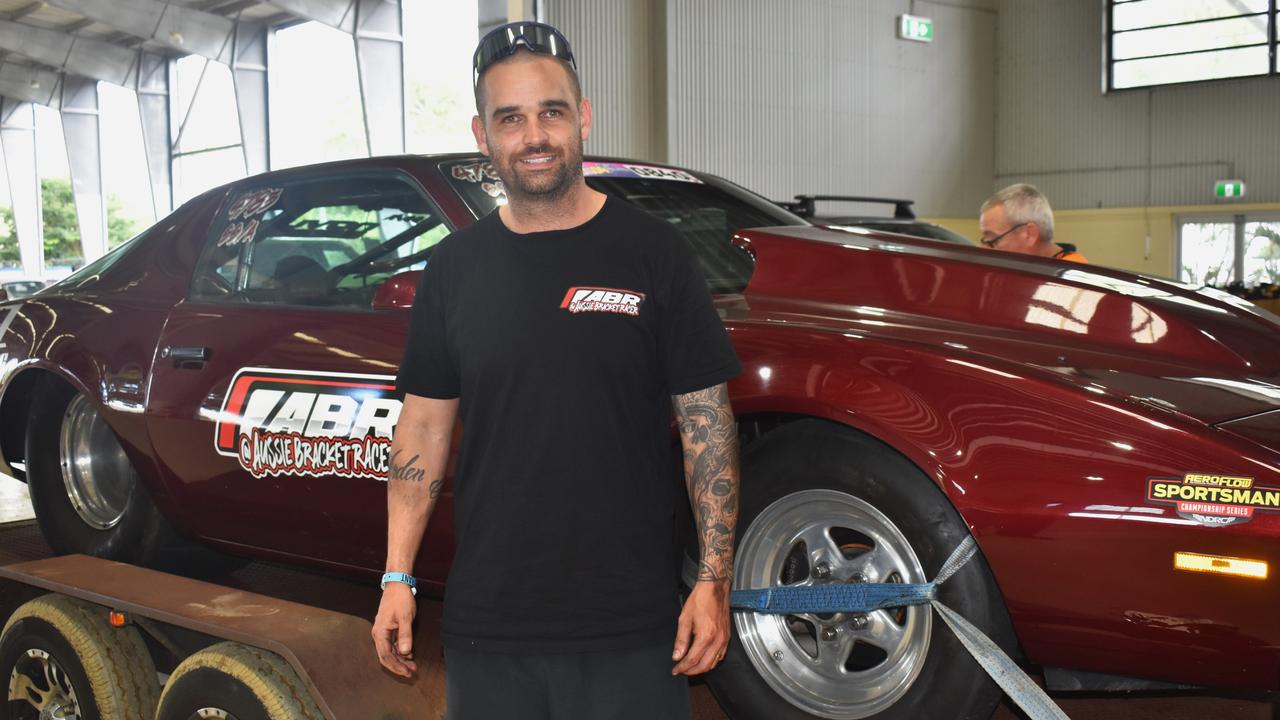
x,y
623,685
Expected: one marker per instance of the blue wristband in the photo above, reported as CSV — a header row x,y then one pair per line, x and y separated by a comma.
x,y
400,577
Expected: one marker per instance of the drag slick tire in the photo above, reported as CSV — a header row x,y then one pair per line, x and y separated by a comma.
x,y
229,681
825,504
87,496
59,658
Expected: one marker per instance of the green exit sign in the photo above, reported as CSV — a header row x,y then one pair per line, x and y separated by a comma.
x,y
1228,189
914,27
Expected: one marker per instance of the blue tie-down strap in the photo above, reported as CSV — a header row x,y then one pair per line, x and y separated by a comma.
x,y
868,597
859,598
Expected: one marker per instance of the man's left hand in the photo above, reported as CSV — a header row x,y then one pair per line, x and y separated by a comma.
x,y
702,636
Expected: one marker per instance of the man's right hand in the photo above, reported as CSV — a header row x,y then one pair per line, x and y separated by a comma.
x,y
393,629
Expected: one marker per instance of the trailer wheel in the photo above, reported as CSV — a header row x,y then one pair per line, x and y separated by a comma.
x,y
823,504
59,658
230,681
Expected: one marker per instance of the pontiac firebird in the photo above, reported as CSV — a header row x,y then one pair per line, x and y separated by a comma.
x,y
1111,441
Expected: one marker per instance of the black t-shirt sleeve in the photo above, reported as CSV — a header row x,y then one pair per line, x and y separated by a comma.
x,y
694,346
428,368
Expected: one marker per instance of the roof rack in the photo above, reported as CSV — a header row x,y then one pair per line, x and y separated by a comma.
x,y
803,205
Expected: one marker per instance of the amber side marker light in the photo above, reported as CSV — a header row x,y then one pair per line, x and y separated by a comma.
x,y
1241,567
117,619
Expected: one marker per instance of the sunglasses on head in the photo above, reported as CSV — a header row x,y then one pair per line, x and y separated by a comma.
x,y
503,41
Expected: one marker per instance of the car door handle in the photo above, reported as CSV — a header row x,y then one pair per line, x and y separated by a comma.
x,y
185,354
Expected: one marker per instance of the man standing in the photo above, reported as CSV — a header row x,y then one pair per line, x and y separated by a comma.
x,y
1019,219
561,329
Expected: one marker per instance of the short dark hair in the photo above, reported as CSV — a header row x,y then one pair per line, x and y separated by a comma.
x,y
573,78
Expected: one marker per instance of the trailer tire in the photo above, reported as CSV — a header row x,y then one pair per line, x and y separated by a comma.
x,y
106,671
841,488
238,681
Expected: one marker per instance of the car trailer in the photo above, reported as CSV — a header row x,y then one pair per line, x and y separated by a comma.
x,y
83,633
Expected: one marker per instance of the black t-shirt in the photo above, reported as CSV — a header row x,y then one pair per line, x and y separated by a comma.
x,y
564,348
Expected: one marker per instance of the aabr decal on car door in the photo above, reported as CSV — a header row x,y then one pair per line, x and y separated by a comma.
x,y
291,422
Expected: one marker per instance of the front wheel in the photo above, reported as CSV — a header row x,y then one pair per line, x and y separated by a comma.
x,y
822,504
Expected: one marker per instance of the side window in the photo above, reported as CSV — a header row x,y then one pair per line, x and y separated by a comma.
x,y
325,242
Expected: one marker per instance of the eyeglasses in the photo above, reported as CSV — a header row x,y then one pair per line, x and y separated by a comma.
x,y
993,241
503,41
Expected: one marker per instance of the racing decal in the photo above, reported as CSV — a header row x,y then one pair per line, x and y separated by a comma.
x,y
290,422
244,213
238,232
595,299
8,320
1214,500
253,203
475,172
609,169
483,173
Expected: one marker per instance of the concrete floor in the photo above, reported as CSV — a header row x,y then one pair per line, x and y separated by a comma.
x,y
15,504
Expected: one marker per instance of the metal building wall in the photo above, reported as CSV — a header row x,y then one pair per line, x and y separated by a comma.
x,y
1135,148
618,46
818,96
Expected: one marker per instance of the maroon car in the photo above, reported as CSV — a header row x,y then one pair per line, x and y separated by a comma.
x,y
1110,440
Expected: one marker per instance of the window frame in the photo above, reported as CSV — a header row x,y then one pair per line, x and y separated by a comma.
x,y
1239,219
248,185
1109,61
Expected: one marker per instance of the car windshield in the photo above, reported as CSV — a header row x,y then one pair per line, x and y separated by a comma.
x,y
705,209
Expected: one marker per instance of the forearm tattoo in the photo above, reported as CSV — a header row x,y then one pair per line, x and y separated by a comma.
x,y
710,440
410,472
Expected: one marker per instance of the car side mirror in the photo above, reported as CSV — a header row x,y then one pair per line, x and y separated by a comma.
x,y
397,291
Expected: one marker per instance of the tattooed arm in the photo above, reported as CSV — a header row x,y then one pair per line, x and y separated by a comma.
x,y
709,436
415,476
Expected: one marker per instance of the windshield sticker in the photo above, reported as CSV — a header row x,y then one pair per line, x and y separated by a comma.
x,y
483,173
1214,500
290,422
252,204
238,232
626,170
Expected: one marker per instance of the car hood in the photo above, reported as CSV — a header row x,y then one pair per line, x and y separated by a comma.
x,y
1170,347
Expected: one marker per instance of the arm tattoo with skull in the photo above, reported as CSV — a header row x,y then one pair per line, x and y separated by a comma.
x,y
709,436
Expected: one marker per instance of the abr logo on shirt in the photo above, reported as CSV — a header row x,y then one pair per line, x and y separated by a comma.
x,y
595,299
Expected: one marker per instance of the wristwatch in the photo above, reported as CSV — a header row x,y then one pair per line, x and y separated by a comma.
x,y
400,577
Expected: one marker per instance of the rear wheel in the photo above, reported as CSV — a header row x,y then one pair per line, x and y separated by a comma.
x,y
822,504
59,658
230,681
87,496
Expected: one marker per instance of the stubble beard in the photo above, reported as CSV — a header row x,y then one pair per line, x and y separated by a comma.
x,y
540,187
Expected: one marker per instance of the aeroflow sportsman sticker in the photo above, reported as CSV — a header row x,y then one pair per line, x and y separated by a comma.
x,y
289,422
1214,500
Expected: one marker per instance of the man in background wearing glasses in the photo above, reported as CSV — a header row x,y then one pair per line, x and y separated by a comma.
x,y
562,329
1018,219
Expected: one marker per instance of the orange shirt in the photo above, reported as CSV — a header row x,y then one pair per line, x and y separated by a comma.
x,y
1070,255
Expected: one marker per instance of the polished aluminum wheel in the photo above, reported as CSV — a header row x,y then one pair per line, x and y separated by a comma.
x,y
43,685
833,666
95,470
